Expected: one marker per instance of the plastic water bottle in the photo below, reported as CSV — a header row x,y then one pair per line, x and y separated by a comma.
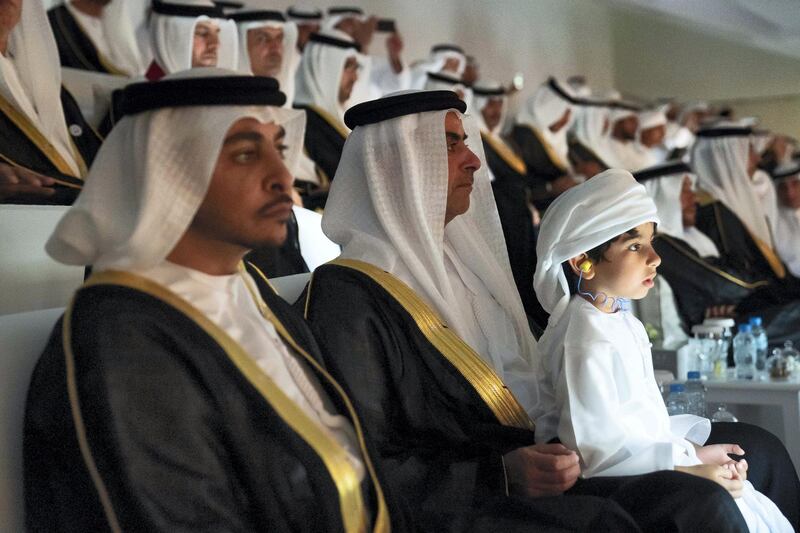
x,y
744,352
676,400
762,344
723,415
695,392
726,359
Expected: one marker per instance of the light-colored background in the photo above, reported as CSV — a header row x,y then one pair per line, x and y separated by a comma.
x,y
742,52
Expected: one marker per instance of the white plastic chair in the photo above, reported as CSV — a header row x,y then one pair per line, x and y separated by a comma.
x,y
29,278
23,336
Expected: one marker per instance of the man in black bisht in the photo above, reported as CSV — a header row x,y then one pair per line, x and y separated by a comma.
x,y
179,392
46,146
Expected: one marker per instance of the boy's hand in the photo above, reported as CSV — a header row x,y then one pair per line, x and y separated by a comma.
x,y
720,475
717,454
542,470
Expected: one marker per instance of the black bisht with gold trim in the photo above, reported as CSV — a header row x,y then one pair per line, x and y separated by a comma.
x,y
22,145
180,436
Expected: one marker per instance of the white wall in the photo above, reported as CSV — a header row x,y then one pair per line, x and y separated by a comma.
x,y
654,56
536,37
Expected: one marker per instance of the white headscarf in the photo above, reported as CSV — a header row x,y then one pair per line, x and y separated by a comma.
x,y
651,119
435,63
172,39
721,167
480,101
767,196
542,110
122,19
330,21
592,127
291,56
580,219
31,79
387,207
320,73
666,193
150,177
446,82
787,226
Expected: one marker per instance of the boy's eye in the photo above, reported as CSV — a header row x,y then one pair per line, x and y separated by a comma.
x,y
245,156
282,150
635,247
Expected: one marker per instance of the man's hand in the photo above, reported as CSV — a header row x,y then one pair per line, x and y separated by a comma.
x,y
721,475
542,470
721,311
16,181
394,49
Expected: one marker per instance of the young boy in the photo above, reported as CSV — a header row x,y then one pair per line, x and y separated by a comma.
x,y
597,393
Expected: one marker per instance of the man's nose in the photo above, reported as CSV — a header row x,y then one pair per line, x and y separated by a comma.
x,y
472,161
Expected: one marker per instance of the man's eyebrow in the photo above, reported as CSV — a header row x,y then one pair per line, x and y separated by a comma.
x,y
453,136
244,136
281,133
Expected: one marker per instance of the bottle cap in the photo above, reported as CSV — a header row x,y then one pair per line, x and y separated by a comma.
x,y
745,328
676,387
693,374
755,321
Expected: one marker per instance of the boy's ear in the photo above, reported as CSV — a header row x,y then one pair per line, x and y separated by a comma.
x,y
581,264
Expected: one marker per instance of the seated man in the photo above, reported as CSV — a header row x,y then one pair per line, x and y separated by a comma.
x,y
540,135
179,392
45,144
386,74
445,58
704,279
724,160
81,32
328,73
621,148
649,147
190,33
268,47
184,34
421,322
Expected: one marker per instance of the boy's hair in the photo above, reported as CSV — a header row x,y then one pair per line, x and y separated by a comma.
x,y
597,255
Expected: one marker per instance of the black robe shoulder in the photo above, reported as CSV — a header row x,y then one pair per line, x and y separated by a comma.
x,y
75,48
733,241
701,282
535,155
20,147
180,436
323,141
698,283
512,198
